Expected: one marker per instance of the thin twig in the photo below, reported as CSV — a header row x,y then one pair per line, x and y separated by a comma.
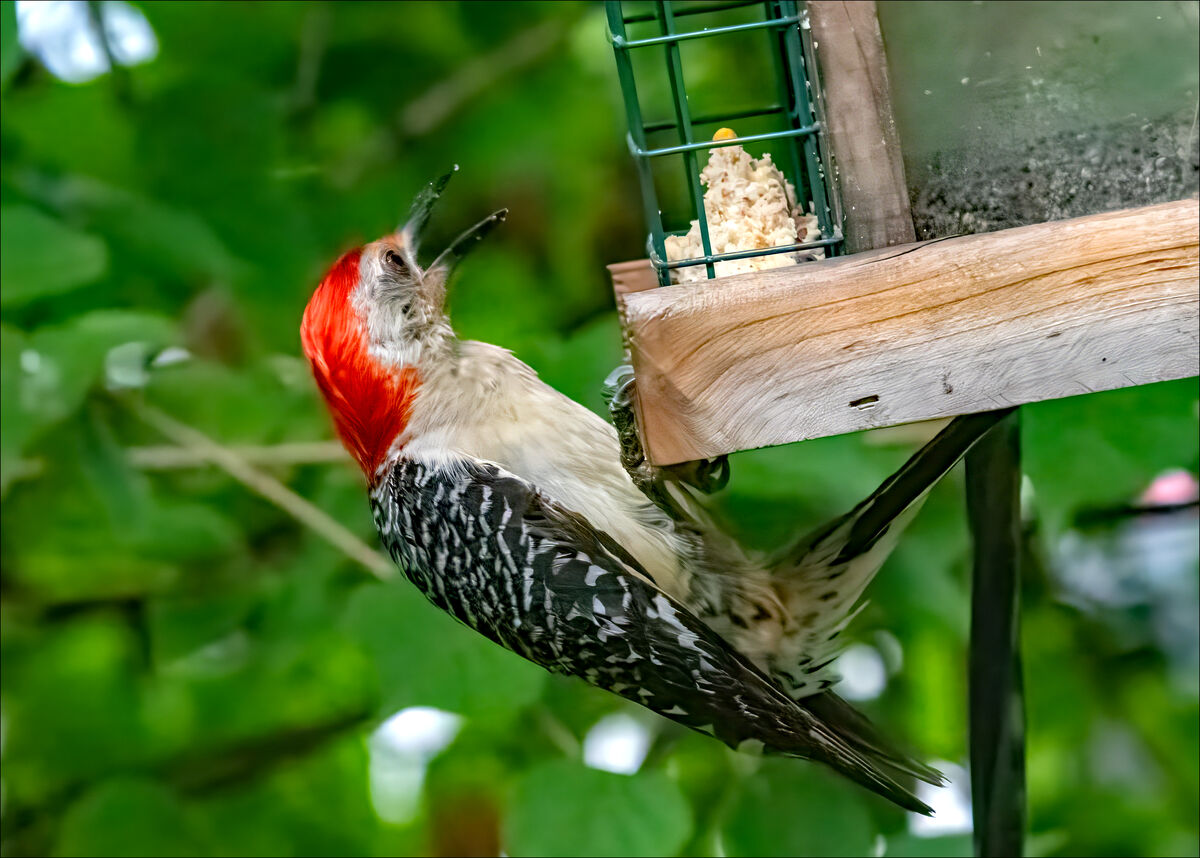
x,y
267,486
116,71
205,771
664,742
438,103
167,457
313,39
193,772
557,732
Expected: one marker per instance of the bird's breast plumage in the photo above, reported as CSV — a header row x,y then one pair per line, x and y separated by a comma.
x,y
489,407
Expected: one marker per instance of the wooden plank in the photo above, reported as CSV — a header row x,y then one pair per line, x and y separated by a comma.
x,y
635,276
930,330
861,128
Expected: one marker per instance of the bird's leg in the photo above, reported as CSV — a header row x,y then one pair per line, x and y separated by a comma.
x,y
707,475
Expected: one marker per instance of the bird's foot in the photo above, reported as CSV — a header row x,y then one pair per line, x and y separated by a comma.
x,y
706,475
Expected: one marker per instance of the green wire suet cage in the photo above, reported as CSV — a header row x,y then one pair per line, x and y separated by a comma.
x,y
789,113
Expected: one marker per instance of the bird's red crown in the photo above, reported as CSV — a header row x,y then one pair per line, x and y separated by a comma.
x,y
370,403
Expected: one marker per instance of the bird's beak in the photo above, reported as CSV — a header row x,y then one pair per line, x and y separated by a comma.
x,y
422,208
463,245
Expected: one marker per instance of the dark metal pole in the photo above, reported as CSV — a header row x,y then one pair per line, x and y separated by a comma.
x,y
997,703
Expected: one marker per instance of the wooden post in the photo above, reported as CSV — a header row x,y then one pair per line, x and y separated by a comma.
x,y
867,166
996,699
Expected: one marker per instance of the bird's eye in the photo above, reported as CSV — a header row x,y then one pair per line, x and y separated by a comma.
x,y
395,260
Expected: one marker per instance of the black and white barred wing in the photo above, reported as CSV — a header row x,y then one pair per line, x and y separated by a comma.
x,y
492,551
537,578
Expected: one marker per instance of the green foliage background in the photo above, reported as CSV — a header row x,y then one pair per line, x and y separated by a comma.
x,y
189,670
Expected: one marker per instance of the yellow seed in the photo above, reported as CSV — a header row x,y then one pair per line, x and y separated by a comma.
x,y
724,134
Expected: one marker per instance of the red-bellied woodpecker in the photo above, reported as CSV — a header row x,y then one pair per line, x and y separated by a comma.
x,y
507,505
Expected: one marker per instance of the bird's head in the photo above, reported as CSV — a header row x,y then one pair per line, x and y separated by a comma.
x,y
376,319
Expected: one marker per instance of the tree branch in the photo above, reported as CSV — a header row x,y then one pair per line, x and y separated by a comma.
x,y
166,457
266,486
438,103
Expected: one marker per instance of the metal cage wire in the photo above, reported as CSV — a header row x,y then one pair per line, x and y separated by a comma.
x,y
797,110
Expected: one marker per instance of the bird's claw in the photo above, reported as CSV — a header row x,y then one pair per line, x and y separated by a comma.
x,y
705,475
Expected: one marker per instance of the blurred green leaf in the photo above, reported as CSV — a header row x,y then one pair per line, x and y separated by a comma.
x,y
424,658
284,685
791,808
41,256
66,546
182,531
578,364
936,681
314,803
180,624
161,237
10,48
911,846
72,708
42,124
510,285
563,808
247,404
1104,449
129,817
69,359
48,373
15,429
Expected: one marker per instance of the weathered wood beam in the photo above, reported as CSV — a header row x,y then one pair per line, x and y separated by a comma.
x,y
901,334
867,166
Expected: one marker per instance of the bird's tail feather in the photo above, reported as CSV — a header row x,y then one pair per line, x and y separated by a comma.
x,y
929,464
822,577
846,741
890,787
858,731
886,773
833,565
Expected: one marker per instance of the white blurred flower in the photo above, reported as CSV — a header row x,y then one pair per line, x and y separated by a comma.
x,y
60,33
617,743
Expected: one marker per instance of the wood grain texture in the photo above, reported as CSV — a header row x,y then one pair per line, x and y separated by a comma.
x,y
934,329
862,130
635,276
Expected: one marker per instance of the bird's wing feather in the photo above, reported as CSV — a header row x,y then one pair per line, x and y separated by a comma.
x,y
537,578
